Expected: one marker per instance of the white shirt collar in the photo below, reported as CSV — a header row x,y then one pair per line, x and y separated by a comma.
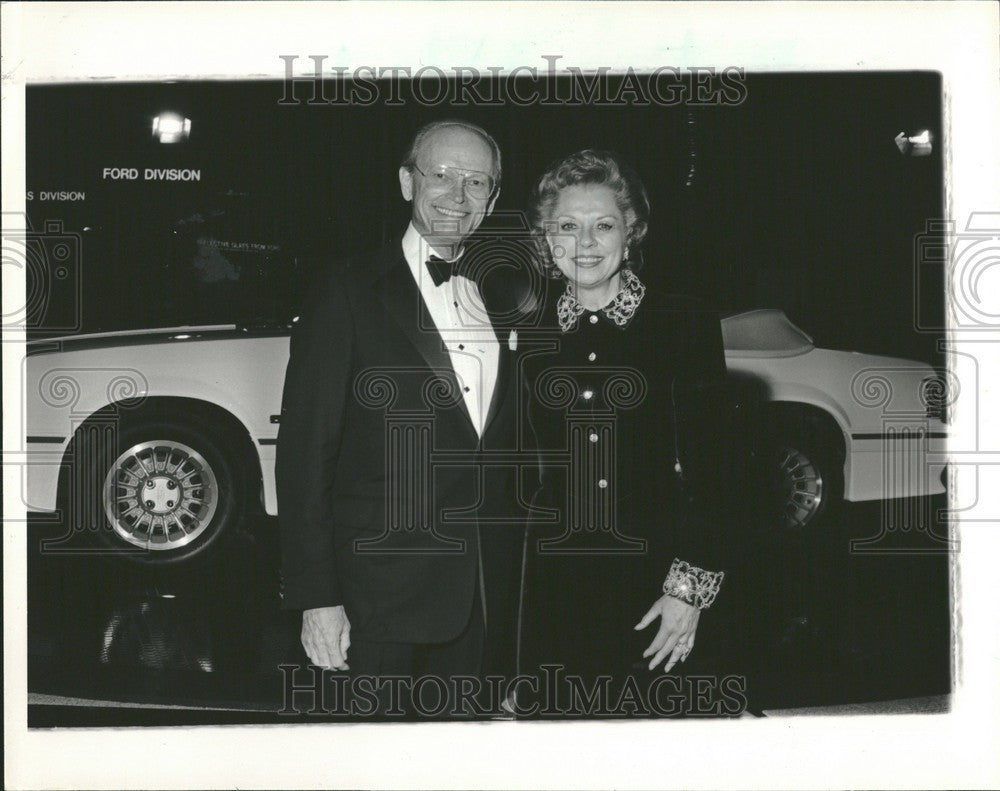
x,y
416,251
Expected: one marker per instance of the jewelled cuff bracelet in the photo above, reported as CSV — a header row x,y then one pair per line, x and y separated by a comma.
x,y
692,585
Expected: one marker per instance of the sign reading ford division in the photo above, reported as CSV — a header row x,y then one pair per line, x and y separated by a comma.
x,y
152,174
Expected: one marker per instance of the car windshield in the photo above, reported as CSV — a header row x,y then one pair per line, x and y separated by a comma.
x,y
765,331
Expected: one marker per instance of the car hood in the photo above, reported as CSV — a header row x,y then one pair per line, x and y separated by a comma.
x,y
179,330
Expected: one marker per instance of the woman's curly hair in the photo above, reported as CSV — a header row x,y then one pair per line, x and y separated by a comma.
x,y
602,168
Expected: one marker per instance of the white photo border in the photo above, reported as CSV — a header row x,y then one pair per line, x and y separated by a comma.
x,y
69,42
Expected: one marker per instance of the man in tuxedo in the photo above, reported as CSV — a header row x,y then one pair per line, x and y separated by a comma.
x,y
401,542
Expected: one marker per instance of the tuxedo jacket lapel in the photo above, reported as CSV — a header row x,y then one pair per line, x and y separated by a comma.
x,y
402,300
503,373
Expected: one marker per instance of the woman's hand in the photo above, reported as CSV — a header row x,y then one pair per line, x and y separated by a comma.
x,y
678,623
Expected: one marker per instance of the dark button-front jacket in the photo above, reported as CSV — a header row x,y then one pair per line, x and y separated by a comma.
x,y
627,406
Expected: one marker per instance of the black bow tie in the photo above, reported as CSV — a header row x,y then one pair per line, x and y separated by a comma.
x,y
442,271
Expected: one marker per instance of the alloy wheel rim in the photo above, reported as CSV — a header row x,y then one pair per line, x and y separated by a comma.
x,y
160,495
802,488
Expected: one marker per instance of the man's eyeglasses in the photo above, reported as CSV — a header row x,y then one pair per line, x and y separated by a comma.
x,y
475,184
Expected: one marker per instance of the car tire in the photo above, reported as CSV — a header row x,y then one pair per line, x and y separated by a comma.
x,y
806,477
158,491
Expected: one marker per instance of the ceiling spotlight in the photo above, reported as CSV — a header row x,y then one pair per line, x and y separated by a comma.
x,y
918,145
171,128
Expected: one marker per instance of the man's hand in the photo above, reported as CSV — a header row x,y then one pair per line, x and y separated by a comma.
x,y
678,623
326,636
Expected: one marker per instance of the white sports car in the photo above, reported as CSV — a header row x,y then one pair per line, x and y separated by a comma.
x,y
837,423
157,441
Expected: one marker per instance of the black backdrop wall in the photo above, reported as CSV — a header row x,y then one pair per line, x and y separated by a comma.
x,y
797,198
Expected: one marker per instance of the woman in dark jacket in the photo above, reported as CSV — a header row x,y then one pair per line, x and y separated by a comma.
x,y
627,547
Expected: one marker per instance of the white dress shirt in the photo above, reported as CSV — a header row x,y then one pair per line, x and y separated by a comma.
x,y
457,309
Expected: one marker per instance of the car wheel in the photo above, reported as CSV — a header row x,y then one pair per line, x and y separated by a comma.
x,y
168,492
807,478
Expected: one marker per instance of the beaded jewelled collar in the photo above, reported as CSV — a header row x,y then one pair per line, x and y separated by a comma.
x,y
620,310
